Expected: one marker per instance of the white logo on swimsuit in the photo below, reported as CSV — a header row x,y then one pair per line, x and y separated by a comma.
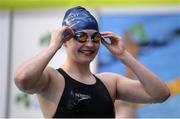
x,y
82,96
77,100
79,96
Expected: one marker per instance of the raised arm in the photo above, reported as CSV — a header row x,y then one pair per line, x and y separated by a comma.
x,y
33,75
148,89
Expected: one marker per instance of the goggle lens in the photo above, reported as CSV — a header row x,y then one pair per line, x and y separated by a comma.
x,y
83,37
97,37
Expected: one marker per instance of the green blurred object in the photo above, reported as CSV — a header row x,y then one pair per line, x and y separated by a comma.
x,y
18,98
24,4
45,39
23,99
138,31
27,103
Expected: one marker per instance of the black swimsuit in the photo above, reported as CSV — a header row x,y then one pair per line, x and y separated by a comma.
x,y
83,100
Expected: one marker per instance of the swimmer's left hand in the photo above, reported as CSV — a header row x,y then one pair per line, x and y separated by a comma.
x,y
116,45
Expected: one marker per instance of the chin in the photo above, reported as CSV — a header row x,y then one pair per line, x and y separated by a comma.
x,y
85,60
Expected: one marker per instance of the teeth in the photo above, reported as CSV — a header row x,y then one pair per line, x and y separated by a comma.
x,y
87,52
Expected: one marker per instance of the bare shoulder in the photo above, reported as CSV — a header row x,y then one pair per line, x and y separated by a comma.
x,y
51,71
55,81
54,87
118,79
107,74
111,75
51,95
109,79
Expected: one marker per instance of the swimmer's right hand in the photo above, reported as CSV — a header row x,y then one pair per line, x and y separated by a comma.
x,y
58,38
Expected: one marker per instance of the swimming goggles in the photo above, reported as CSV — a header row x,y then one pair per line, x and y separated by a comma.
x,y
82,37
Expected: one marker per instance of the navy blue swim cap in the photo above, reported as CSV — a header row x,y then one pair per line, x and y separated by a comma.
x,y
78,18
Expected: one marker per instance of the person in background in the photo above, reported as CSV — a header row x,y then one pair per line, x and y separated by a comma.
x,y
73,90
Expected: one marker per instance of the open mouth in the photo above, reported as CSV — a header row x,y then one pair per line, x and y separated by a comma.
x,y
87,52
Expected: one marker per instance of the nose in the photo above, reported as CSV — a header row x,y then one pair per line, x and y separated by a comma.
x,y
90,43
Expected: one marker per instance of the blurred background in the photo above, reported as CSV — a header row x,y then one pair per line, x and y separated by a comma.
x,y
151,30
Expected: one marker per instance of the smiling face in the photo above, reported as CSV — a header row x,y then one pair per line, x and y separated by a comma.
x,y
82,52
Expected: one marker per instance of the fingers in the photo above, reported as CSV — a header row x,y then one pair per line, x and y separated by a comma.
x,y
68,37
110,35
67,33
105,43
59,31
106,33
57,35
66,29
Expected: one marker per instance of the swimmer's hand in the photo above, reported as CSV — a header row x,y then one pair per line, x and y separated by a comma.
x,y
58,38
116,45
